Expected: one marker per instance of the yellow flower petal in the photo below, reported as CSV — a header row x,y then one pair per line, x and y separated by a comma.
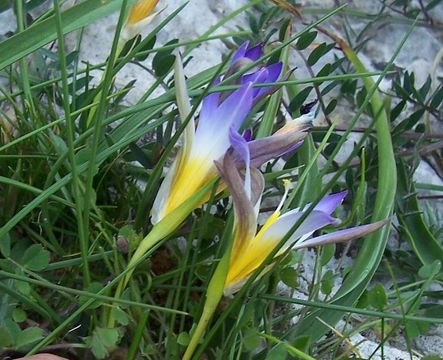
x,y
257,251
140,10
189,178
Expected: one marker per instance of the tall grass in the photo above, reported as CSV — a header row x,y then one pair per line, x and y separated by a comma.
x,y
81,166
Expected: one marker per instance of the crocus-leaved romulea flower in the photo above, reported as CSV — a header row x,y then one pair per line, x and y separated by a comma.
x,y
140,14
251,247
193,170
220,115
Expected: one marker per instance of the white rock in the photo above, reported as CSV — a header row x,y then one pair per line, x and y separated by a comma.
x,y
7,22
431,344
370,349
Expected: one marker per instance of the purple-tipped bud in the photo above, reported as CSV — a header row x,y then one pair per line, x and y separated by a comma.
x,y
259,74
244,52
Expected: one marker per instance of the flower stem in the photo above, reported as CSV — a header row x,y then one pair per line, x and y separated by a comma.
x,y
214,294
213,297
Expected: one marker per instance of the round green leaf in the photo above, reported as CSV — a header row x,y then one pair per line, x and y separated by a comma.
x,y
36,258
19,315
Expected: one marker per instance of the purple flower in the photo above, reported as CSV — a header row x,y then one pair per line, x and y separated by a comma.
x,y
252,247
220,115
258,74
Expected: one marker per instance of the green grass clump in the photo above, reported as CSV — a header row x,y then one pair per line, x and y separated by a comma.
x,y
81,166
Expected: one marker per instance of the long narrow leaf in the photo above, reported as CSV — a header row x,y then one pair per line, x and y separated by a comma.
x,y
373,246
422,241
45,31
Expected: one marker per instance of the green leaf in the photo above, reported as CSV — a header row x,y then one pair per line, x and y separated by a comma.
x,y
128,233
269,116
363,301
424,90
396,111
324,71
414,228
327,282
247,316
289,276
429,6
302,343
36,258
331,106
103,340
327,253
278,352
377,297
299,99
163,64
29,336
409,122
6,338
120,316
416,328
130,44
437,98
163,61
305,40
409,82
251,339
23,287
4,5
146,47
183,338
5,246
19,315
349,87
318,52
429,271
274,103
45,31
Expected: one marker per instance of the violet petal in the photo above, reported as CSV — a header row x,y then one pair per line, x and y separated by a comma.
x,y
273,73
240,52
314,221
230,113
342,235
330,202
254,53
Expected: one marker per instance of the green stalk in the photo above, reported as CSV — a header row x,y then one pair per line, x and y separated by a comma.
x,y
159,232
70,140
132,353
214,294
99,116
24,73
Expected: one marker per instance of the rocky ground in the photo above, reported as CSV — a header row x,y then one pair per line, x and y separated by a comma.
x,y
420,55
